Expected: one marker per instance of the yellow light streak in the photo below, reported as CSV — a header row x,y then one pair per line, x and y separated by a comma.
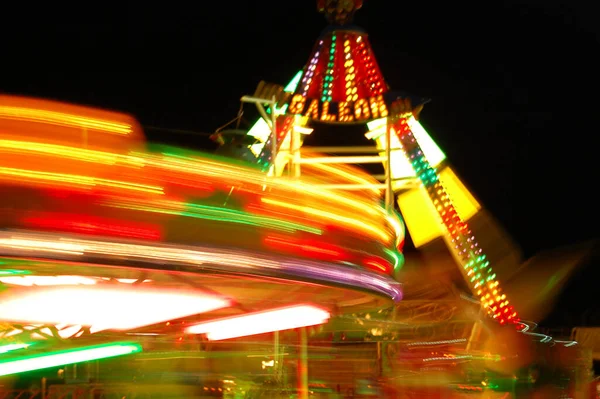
x,y
79,154
86,181
349,221
64,119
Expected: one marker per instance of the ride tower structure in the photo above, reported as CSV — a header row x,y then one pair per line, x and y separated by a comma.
x,y
342,84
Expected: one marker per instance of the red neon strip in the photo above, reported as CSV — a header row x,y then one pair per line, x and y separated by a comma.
x,y
378,264
85,224
307,248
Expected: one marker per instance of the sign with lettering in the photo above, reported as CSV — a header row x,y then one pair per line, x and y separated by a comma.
x,y
361,110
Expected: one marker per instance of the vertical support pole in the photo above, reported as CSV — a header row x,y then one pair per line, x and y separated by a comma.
x,y
44,383
475,332
302,369
295,151
276,354
274,135
292,152
389,192
379,359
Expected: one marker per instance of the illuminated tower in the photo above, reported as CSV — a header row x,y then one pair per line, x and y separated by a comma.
x,y
343,84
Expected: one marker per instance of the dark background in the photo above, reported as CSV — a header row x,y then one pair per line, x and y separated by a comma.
x,y
513,84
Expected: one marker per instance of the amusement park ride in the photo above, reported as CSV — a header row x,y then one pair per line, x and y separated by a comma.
x,y
342,84
113,247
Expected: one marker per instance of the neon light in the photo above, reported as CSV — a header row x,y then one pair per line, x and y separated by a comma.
x,y
343,111
342,82
221,214
312,248
67,152
261,322
87,224
54,359
209,258
261,129
328,80
23,175
11,272
103,308
367,227
293,83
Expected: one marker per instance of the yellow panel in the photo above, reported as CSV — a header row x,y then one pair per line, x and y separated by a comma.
x,y
422,221
465,204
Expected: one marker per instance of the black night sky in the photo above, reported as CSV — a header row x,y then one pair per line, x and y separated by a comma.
x,y
514,85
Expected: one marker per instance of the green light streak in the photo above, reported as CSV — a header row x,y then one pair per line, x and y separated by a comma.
x,y
293,85
12,272
71,356
228,216
13,263
397,257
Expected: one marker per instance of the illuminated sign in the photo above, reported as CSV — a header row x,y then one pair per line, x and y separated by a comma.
x,y
361,110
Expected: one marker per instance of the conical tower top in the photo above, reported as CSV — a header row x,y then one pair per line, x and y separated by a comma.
x,y
339,12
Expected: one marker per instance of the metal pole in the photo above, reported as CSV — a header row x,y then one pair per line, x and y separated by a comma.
x,y
379,359
302,369
292,153
276,354
476,331
274,135
389,193
297,153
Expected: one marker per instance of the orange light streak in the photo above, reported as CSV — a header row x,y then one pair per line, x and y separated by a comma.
x,y
63,119
85,181
61,151
372,229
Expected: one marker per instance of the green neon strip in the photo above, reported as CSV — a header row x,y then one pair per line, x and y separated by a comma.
x,y
229,216
397,256
235,216
11,272
61,358
13,263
